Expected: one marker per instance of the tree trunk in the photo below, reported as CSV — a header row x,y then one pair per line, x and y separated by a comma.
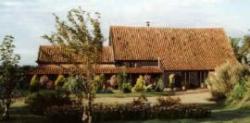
x,y
6,115
88,113
89,108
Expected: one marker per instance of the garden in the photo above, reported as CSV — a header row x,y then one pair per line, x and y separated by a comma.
x,y
71,98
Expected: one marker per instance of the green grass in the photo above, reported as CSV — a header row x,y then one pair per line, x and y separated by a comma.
x,y
218,116
20,114
119,94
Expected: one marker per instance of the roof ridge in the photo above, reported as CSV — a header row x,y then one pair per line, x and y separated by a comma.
x,y
160,27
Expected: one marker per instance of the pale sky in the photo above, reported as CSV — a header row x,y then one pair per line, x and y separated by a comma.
x,y
28,20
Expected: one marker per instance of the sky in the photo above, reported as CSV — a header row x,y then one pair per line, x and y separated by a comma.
x,y
28,20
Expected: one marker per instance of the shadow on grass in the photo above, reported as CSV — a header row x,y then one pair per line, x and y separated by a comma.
x,y
22,115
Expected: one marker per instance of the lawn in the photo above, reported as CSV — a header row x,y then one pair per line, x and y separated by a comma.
x,y
20,114
118,94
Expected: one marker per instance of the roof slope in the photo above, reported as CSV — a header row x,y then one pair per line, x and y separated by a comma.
x,y
56,54
178,48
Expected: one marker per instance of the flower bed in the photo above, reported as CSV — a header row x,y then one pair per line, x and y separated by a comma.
x,y
167,108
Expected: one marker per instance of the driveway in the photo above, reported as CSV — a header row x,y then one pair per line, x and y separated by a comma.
x,y
201,96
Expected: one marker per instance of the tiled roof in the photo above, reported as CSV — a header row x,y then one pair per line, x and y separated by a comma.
x,y
56,54
177,48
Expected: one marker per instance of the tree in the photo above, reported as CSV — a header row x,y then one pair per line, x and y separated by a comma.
x,y
8,73
236,48
81,35
245,48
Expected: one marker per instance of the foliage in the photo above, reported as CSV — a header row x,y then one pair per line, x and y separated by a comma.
x,y
241,48
9,74
81,35
59,82
245,49
159,85
171,80
74,85
168,101
34,84
235,43
126,87
65,113
149,88
38,102
121,78
224,79
99,82
142,99
113,81
238,91
145,111
24,81
140,84
240,95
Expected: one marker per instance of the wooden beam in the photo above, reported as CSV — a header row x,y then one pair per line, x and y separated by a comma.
x,y
188,78
185,74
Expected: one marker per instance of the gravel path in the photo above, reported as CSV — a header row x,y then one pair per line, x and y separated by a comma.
x,y
200,96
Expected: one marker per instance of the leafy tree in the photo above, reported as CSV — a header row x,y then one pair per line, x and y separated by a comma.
x,y
246,44
81,35
8,73
235,43
74,85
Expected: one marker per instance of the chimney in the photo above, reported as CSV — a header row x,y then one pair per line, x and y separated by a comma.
x,y
148,23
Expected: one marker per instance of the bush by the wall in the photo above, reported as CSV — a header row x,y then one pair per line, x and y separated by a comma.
x,y
65,113
99,82
159,85
34,83
126,87
224,79
59,81
146,111
39,101
168,101
139,109
140,85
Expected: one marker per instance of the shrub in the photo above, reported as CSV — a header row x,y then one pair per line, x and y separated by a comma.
x,y
168,101
99,82
145,111
171,80
140,85
139,109
121,78
39,101
149,88
34,84
74,85
65,113
126,87
59,81
142,99
159,85
1,109
43,81
240,94
225,77
113,81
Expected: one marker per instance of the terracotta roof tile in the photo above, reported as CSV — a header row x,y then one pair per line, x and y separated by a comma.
x,y
178,48
56,54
